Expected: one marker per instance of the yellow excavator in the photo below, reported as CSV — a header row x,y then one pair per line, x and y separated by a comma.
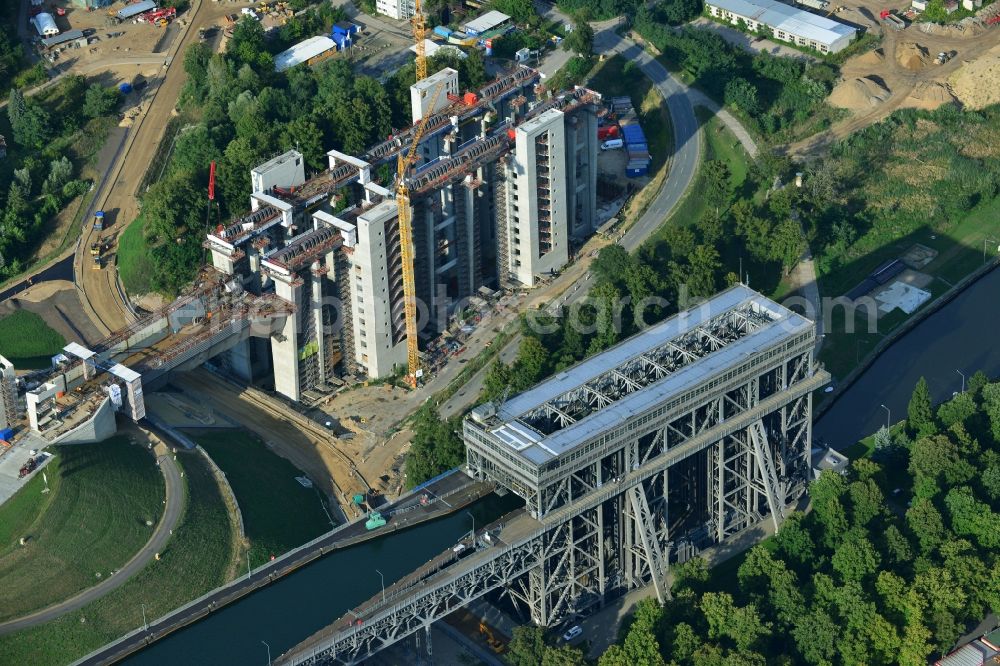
x,y
494,644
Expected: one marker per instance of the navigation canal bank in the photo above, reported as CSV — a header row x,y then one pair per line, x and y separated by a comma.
x,y
955,335
446,495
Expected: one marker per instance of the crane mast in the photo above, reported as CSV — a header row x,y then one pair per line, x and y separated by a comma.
x,y
406,244
419,34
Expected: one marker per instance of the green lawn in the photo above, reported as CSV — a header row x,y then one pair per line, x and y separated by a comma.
x,y
134,263
719,144
278,512
92,521
27,341
195,561
960,251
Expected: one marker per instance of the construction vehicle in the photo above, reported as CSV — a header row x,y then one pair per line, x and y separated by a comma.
x,y
375,521
406,241
487,633
95,249
99,220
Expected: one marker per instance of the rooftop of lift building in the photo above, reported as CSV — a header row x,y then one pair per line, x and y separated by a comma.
x,y
641,373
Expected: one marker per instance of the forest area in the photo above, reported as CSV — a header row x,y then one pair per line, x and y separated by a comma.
x,y
895,562
53,135
239,112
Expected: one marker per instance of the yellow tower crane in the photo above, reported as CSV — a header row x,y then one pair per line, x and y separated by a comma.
x,y
406,242
419,34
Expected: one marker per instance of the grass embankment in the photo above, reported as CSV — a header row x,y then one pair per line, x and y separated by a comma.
x,y
92,522
134,262
195,561
897,183
27,341
279,514
719,144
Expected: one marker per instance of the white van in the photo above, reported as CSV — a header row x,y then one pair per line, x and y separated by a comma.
x,y
612,144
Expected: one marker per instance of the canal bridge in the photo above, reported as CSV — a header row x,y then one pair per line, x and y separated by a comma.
x,y
674,440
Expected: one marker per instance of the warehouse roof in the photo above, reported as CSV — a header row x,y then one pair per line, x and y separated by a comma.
x,y
303,52
432,48
128,11
67,36
486,22
792,20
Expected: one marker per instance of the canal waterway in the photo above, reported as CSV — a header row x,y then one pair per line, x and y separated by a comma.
x,y
295,607
960,337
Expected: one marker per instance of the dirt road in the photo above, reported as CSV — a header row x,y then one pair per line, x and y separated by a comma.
x,y
900,81
100,293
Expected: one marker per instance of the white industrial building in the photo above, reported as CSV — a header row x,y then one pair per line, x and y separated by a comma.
x,y
491,20
307,51
789,24
397,9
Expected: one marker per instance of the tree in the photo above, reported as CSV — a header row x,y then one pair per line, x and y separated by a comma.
x,y
786,243
581,39
926,524
742,95
867,501
563,655
856,557
897,545
957,410
704,266
607,301
60,172
717,188
971,517
436,448
919,415
527,646
816,637
639,649
307,139
100,101
521,11
743,626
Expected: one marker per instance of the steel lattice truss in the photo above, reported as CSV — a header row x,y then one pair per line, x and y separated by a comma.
x,y
610,526
644,369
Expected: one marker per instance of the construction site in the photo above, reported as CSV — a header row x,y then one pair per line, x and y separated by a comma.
x,y
336,278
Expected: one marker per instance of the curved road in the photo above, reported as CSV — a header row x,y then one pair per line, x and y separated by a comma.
x,y
683,166
171,514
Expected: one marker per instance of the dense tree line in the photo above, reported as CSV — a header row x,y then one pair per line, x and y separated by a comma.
x,y
46,130
436,447
247,113
772,93
896,560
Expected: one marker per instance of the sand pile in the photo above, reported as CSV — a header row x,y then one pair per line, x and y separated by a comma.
x,y
871,59
912,56
929,95
975,84
858,94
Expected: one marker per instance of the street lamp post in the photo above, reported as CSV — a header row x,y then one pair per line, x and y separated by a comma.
x,y
963,379
888,417
268,652
382,578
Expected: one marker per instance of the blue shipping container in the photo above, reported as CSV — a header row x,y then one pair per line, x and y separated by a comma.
x,y
345,28
7,434
637,172
632,130
125,88
443,31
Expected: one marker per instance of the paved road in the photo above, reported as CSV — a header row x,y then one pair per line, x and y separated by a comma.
x,y
171,514
683,166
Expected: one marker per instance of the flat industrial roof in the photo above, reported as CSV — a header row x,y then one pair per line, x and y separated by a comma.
x,y
793,20
484,23
62,38
539,448
128,11
302,52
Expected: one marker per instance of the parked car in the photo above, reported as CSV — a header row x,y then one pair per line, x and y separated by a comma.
x,y
574,632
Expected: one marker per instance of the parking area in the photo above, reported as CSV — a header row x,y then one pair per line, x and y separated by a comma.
x,y
13,459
